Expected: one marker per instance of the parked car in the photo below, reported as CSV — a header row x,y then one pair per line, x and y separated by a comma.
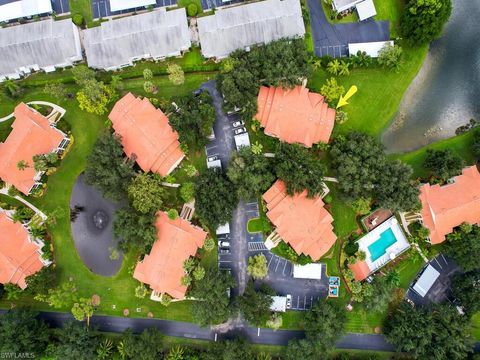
x,y
223,244
410,302
212,135
240,130
289,301
238,123
212,158
197,92
224,251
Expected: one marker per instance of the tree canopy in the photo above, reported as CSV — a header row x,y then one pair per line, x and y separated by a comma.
x,y
257,266
464,247
146,193
194,118
255,304
364,171
435,332
251,174
466,288
21,331
76,342
215,305
146,346
279,63
214,198
422,20
323,324
443,164
299,169
134,229
107,169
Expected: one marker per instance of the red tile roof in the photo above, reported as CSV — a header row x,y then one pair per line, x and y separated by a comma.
x,y
302,222
19,257
146,134
445,207
295,115
31,135
162,269
360,270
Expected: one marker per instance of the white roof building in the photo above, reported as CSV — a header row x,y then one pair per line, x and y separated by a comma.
x,y
119,5
342,5
371,48
426,280
241,26
118,43
279,303
223,229
366,10
23,9
242,140
214,164
309,271
42,45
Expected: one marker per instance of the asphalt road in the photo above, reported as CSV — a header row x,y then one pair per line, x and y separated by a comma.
x,y
192,331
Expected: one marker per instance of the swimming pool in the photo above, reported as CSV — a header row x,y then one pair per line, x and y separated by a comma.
x,y
379,247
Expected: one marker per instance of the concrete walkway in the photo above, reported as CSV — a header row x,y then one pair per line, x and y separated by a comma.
x,y
44,217
55,109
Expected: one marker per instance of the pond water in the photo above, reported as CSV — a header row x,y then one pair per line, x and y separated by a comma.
x,y
445,93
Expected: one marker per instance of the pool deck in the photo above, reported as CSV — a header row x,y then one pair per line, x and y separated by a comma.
x,y
393,250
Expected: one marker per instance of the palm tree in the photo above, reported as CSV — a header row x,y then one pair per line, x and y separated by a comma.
x,y
175,353
22,165
333,67
121,350
257,148
12,87
104,349
343,70
315,62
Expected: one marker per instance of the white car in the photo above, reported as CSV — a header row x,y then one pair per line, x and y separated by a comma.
x,y
223,244
240,130
238,123
289,301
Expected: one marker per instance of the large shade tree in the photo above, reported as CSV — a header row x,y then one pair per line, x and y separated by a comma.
x,y
146,193
466,288
21,331
214,198
279,63
443,164
135,230
435,332
363,171
299,169
76,342
193,118
107,168
255,304
423,20
214,307
323,324
464,247
251,174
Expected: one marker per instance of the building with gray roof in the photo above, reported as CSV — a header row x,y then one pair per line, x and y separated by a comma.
x,y
241,26
118,43
42,45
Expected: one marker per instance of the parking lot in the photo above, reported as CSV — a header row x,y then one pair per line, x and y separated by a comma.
x,y
280,271
440,291
101,8
214,4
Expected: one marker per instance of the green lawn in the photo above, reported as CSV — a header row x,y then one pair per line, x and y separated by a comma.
x,y
118,290
379,92
5,128
460,145
83,7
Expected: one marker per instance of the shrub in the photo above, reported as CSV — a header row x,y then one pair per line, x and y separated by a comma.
x,y
141,291
351,248
209,244
77,19
165,299
192,9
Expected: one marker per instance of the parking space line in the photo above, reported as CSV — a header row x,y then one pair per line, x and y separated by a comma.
x,y
305,302
269,261
298,302
284,266
443,257
276,267
311,302
438,263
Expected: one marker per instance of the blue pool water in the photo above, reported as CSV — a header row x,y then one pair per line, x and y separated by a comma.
x,y
379,247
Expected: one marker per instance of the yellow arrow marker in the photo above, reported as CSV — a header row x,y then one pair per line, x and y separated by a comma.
x,y
343,99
